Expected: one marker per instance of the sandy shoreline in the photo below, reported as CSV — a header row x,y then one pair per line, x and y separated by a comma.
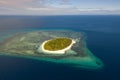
x,y
58,51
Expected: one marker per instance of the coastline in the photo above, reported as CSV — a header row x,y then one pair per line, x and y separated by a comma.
x,y
55,52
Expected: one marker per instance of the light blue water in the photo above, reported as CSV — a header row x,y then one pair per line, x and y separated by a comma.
x,y
103,39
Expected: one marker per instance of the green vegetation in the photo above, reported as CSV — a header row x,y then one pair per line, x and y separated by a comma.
x,y
57,44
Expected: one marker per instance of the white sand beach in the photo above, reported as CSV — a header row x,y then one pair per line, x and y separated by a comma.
x,y
58,51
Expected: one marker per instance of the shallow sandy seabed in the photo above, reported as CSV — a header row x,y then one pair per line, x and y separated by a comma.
x,y
26,44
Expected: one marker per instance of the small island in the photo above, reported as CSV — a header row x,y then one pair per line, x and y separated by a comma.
x,y
57,46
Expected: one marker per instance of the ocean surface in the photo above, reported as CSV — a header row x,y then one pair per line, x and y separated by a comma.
x,y
102,37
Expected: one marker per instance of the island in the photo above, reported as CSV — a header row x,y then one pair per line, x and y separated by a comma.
x,y
57,45
65,47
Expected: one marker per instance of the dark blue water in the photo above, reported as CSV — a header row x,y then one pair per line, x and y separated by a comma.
x,y
103,39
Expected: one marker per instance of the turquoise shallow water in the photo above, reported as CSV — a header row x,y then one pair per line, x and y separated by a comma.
x,y
102,39
78,57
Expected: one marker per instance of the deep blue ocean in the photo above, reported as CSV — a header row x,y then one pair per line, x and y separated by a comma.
x,y
103,39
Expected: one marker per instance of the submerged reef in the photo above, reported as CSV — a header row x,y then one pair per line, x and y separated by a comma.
x,y
65,47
